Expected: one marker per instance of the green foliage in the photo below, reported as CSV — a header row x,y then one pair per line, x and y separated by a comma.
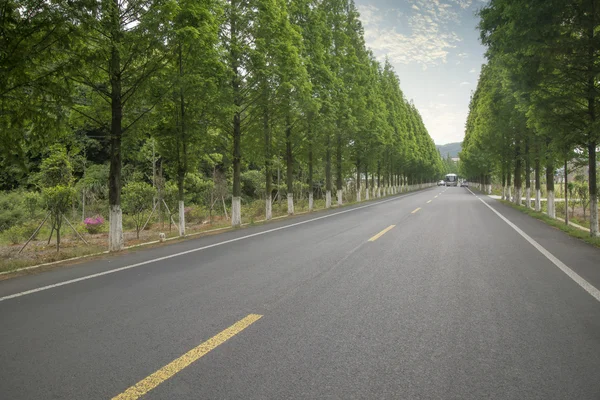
x,y
253,183
58,199
32,202
12,211
137,201
197,188
15,234
56,169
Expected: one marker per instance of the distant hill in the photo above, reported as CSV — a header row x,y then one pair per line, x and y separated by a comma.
x,y
452,148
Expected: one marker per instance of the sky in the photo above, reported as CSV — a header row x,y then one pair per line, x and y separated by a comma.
x,y
434,47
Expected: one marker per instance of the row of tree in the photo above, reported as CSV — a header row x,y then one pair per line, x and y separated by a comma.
x,y
239,79
535,106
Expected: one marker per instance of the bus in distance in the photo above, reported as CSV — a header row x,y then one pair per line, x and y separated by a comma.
x,y
451,180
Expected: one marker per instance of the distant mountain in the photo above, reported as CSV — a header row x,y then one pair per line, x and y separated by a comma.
x,y
452,148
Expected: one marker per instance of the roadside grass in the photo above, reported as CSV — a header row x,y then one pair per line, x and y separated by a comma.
x,y
12,264
44,254
571,231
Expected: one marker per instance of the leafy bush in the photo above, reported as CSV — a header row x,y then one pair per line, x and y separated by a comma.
x,y
12,210
32,202
197,188
94,225
196,213
15,234
137,200
253,183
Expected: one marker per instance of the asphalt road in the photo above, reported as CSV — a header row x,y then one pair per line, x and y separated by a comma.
x,y
449,303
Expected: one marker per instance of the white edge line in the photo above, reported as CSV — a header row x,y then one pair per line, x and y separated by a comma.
x,y
112,271
588,287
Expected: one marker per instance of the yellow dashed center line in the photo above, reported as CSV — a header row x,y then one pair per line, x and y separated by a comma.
x,y
435,197
416,210
429,202
166,372
380,234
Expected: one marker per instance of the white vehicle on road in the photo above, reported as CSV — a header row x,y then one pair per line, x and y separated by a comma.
x,y
451,180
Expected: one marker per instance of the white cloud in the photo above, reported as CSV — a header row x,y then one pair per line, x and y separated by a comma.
x,y
473,71
464,83
428,42
444,125
463,55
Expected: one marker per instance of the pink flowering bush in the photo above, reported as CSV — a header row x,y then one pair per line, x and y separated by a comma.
x,y
93,224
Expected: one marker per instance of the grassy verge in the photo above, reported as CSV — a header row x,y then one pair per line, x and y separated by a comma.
x,y
569,230
12,262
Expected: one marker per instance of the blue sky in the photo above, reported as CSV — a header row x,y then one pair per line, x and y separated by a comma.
x,y
434,47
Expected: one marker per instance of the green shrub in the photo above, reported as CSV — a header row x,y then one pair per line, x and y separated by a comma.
x,y
137,202
254,210
196,214
12,210
15,234
32,201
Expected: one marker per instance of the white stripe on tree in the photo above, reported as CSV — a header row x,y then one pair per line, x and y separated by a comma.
x,y
236,211
115,228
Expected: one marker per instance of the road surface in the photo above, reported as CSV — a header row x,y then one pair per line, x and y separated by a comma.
x,y
427,295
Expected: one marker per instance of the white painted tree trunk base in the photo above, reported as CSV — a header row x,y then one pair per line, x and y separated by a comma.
x,y
339,197
528,197
181,219
489,189
594,216
551,209
538,200
115,228
328,199
236,211
358,199
503,192
290,198
518,195
367,195
269,207
509,194
311,202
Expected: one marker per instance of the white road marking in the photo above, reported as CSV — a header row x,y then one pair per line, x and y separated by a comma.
x,y
112,271
588,287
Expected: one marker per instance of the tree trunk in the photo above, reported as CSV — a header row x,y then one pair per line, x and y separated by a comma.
x,y
289,157
236,212
182,159
366,181
527,177
503,183
550,187
358,199
566,186
538,191
328,183
593,189
339,181
378,179
310,170
518,177
268,177
508,185
115,216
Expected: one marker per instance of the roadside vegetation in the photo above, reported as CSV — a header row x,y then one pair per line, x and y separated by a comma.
x,y
533,121
120,120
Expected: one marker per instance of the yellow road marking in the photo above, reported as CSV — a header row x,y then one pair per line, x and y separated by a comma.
x,y
380,234
166,372
416,210
435,197
429,202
